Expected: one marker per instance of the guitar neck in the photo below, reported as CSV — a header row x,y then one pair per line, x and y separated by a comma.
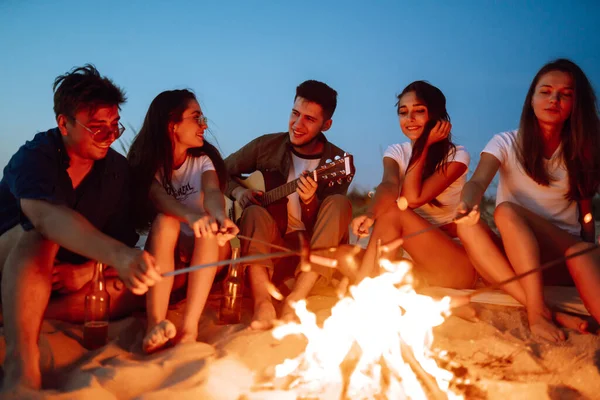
x,y
333,170
279,192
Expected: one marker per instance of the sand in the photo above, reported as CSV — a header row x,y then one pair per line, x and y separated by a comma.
x,y
499,354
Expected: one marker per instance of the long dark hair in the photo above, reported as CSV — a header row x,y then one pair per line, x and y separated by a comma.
x,y
580,136
440,152
152,150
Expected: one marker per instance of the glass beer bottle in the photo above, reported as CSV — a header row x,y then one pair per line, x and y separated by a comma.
x,y
230,311
97,306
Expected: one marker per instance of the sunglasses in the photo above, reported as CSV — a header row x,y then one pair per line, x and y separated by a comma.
x,y
200,119
103,134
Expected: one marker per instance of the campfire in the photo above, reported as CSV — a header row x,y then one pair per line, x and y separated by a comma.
x,y
375,345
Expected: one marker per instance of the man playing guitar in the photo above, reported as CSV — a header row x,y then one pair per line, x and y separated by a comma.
x,y
322,211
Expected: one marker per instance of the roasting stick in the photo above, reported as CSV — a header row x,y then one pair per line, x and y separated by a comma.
x,y
304,253
542,267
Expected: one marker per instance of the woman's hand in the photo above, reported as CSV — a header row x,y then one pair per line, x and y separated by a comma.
x,y
467,215
439,132
362,223
203,225
227,230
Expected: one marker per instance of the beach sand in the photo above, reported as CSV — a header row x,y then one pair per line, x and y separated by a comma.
x,y
500,356
498,353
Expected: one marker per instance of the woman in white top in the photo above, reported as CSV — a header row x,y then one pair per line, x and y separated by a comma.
x,y
427,174
549,172
183,175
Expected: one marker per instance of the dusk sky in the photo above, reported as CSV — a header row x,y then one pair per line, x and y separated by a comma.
x,y
244,60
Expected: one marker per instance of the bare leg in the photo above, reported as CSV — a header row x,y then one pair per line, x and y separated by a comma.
x,y
551,243
264,311
447,266
484,248
585,271
523,251
199,284
304,284
162,241
331,229
26,287
486,252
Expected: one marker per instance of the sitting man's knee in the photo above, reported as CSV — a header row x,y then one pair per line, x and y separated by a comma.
x,y
32,245
34,241
252,213
338,203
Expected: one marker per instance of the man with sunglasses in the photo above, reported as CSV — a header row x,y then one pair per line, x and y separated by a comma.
x,y
64,204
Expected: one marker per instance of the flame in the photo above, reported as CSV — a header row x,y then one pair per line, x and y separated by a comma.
x,y
372,342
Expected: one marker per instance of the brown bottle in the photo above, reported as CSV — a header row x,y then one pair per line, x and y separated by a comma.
x,y
97,306
230,311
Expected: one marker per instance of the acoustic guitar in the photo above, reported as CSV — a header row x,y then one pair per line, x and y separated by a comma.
x,y
275,192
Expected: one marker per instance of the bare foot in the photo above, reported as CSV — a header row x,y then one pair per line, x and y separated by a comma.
x,y
264,315
158,336
571,322
187,336
543,327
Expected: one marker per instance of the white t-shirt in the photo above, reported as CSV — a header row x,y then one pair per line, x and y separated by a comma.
x,y
517,187
450,197
299,164
187,182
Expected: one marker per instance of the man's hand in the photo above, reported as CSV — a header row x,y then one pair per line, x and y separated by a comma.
x,y
69,278
307,188
246,197
439,132
362,224
137,269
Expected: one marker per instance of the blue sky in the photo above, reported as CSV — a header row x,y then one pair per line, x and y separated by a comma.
x,y
245,58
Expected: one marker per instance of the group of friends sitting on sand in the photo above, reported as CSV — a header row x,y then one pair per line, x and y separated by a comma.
x,y
68,200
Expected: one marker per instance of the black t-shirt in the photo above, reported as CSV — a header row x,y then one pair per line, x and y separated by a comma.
x,y
38,170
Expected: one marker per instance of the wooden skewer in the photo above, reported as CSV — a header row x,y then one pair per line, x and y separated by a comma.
x,y
305,254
